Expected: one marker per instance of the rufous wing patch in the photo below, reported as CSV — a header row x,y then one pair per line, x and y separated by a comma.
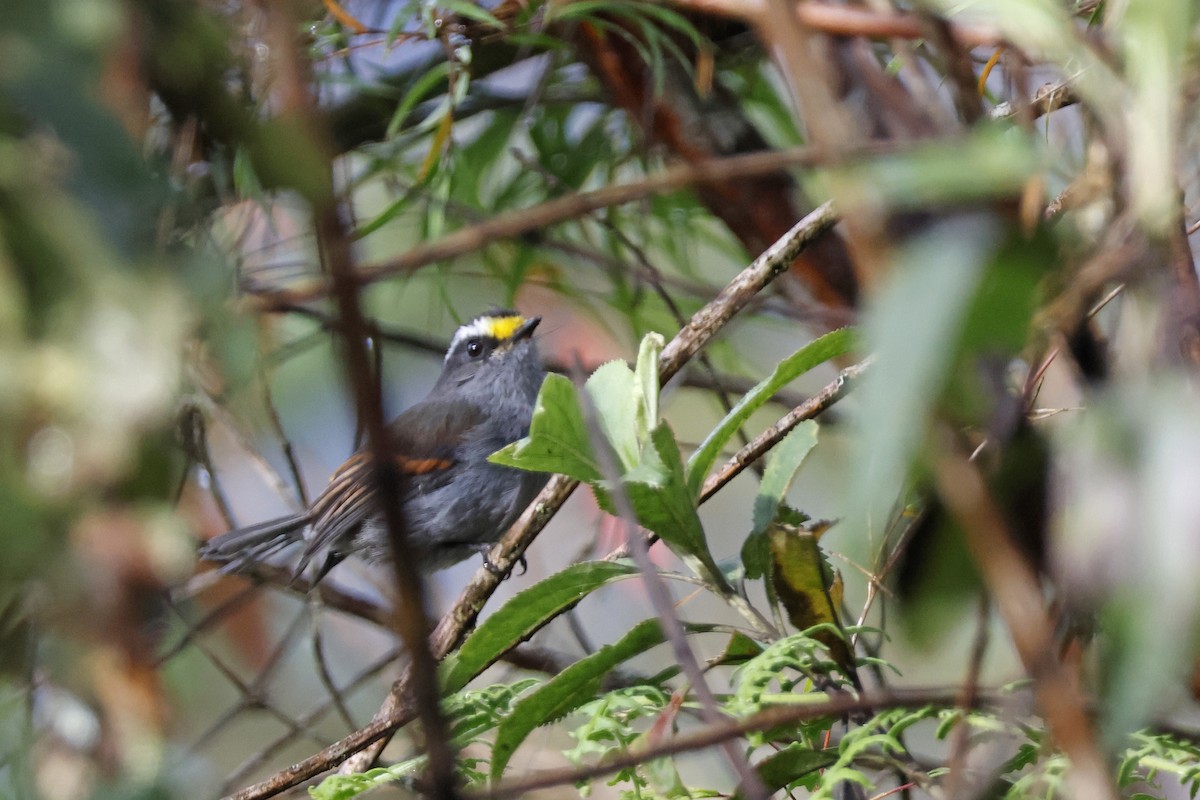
x,y
422,466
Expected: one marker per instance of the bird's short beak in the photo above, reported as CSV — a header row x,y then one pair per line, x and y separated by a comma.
x,y
526,329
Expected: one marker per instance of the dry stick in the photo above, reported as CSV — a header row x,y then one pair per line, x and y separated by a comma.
x,y
411,620
771,436
960,742
323,673
515,223
703,326
309,718
660,601
1018,597
285,443
711,735
337,261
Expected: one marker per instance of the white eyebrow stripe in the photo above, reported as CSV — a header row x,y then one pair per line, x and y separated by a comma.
x,y
477,328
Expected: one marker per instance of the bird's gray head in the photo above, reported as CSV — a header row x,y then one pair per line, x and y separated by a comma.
x,y
497,350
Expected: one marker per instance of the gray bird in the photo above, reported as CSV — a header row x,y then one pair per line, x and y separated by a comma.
x,y
454,502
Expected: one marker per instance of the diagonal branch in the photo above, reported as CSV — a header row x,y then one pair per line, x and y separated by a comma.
x,y
699,331
512,224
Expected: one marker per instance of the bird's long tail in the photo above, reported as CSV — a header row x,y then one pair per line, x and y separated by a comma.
x,y
244,547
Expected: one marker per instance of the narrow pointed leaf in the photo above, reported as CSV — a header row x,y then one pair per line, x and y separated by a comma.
x,y
782,464
817,352
663,504
524,614
558,437
569,689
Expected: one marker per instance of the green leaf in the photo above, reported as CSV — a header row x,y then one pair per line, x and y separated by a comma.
x,y
802,579
831,345
645,375
662,503
740,649
782,464
346,787
912,330
432,78
568,690
523,615
793,763
615,398
558,437
467,9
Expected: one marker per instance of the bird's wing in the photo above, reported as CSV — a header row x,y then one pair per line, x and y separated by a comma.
x,y
426,438
423,439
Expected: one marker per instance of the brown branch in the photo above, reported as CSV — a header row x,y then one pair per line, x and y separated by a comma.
x,y
1185,300
810,408
704,325
1012,583
337,259
512,224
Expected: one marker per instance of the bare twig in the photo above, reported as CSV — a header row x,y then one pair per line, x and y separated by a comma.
x,y
960,742
318,651
705,323
289,452
771,436
515,223
1018,597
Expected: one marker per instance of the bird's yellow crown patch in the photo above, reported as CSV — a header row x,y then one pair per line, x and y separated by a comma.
x,y
502,328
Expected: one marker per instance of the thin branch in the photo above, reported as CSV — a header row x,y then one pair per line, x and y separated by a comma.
x,y
960,742
1018,597
289,452
512,224
810,408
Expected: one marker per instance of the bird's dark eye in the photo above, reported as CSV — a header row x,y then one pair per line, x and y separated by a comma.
x,y
474,348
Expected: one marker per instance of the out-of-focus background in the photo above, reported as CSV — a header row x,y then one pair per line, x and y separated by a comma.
x,y
1015,184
